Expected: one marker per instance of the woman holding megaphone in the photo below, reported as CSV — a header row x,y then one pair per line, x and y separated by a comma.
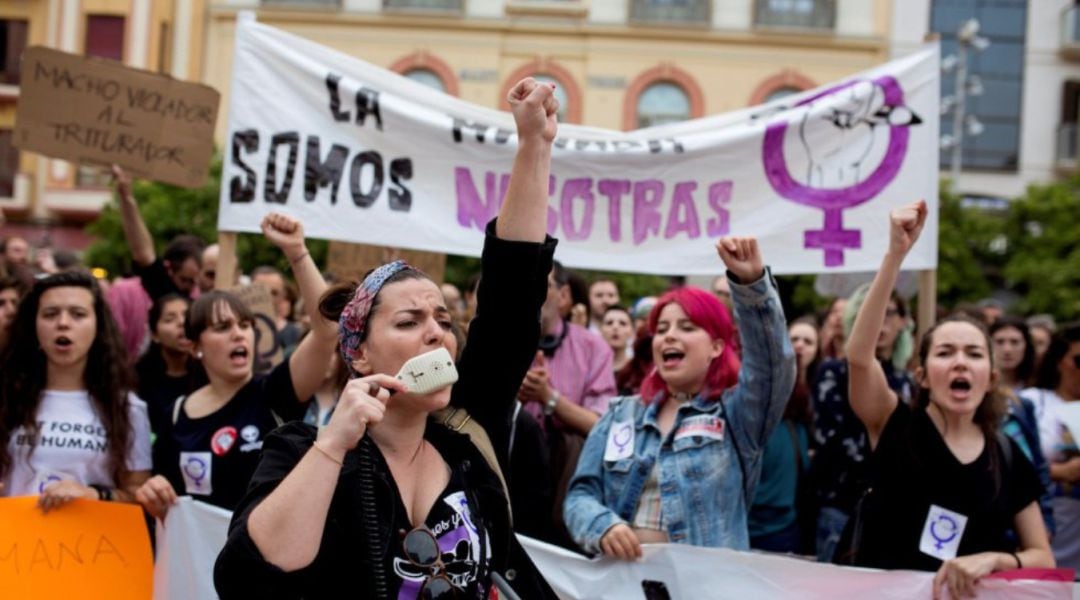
x,y
385,500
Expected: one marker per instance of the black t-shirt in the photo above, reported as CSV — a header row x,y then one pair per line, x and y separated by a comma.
x,y
160,390
155,279
913,471
212,458
466,550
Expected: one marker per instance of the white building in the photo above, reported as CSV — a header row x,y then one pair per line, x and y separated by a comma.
x,y
1031,77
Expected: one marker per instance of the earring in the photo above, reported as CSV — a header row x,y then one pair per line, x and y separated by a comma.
x,y
198,355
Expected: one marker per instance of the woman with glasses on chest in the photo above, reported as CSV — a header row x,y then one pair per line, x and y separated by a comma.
x,y
386,501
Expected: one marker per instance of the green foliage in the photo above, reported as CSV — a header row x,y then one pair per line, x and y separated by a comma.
x,y
799,297
1044,254
170,211
968,267
460,268
1031,248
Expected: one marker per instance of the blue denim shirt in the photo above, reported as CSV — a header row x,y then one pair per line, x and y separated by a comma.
x,y
704,491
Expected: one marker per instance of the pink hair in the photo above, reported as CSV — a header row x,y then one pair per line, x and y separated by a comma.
x,y
707,312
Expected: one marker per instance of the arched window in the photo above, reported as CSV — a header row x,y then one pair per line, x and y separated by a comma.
x,y
779,85
661,103
662,94
427,77
560,94
546,71
428,69
781,92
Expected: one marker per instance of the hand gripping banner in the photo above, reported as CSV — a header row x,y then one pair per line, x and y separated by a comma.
x,y
365,155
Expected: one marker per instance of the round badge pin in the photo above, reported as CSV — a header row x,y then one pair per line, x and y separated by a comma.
x,y
223,440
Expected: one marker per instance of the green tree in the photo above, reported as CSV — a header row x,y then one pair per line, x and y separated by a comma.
x,y
1043,230
971,250
170,211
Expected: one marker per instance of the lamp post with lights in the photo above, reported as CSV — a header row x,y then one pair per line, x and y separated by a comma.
x,y
968,40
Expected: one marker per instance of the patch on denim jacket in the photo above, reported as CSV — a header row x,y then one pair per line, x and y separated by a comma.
x,y
620,441
707,426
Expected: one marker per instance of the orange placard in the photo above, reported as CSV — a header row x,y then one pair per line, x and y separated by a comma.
x,y
85,549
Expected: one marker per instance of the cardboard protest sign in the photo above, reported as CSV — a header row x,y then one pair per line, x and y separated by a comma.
x,y
349,262
268,353
93,110
85,549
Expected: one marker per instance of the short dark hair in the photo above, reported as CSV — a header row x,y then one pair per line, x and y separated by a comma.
x,y
1025,369
603,280
182,248
1049,377
559,273
203,312
265,270
13,283
620,308
158,307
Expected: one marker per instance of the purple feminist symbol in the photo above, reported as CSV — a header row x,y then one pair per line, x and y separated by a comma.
x,y
951,528
622,436
833,238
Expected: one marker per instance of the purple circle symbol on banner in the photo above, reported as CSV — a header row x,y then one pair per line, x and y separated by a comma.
x,y
833,238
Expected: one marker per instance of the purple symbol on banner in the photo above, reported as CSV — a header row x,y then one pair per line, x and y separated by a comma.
x,y
874,107
951,527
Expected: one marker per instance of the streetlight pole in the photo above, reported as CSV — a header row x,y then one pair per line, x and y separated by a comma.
x,y
959,108
967,38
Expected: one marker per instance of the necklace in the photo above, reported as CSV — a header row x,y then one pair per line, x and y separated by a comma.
x,y
682,397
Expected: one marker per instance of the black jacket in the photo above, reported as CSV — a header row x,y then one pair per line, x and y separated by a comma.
x,y
501,343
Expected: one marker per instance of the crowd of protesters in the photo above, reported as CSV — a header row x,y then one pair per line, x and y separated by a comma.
x,y
702,417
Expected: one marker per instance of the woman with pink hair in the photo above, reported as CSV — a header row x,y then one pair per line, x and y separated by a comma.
x,y
679,462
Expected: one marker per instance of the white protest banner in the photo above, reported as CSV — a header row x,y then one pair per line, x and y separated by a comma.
x,y
188,543
670,571
361,154
194,533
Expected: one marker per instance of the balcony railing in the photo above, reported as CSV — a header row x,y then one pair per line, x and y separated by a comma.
x,y
1068,146
302,4
447,6
688,12
798,14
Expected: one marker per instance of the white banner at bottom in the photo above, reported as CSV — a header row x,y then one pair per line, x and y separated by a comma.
x,y
194,532
188,543
677,571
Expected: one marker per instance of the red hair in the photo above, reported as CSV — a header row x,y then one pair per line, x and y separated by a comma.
x,y
707,312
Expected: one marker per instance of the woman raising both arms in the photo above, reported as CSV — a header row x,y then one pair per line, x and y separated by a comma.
x,y
946,487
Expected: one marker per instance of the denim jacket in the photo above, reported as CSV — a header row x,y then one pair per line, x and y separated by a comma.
x,y
710,461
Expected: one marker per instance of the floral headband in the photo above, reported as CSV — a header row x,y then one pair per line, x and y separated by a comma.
x,y
354,318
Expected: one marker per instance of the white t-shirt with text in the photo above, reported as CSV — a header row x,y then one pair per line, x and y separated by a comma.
x,y
72,445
